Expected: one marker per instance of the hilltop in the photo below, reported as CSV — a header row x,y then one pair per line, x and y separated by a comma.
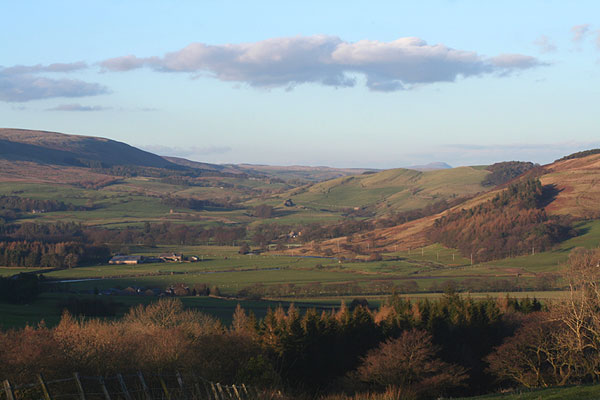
x,y
73,150
431,166
63,155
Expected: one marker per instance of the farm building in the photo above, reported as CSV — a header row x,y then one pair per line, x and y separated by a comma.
x,y
171,257
126,260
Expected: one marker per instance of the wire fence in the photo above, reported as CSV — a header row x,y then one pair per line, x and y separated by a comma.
x,y
137,386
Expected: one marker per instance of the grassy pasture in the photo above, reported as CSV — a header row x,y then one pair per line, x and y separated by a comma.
x,y
47,308
583,392
137,200
396,189
224,267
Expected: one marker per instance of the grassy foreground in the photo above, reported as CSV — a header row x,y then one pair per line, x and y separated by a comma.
x,y
586,392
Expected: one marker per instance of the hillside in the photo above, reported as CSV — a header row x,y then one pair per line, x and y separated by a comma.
x,y
577,185
391,190
570,186
73,150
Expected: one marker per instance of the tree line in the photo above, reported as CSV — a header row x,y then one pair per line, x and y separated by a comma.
x,y
194,204
301,353
12,206
66,245
55,255
504,172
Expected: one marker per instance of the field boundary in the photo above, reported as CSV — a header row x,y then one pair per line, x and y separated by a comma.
x,y
128,387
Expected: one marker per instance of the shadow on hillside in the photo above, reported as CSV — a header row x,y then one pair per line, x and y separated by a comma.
x,y
549,193
583,231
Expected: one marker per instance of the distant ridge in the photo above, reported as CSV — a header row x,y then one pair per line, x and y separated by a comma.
x,y
73,150
203,166
430,167
18,146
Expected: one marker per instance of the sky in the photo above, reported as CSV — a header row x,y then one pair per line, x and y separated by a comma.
x,y
337,83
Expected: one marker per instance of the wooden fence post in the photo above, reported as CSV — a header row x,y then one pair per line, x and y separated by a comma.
x,y
237,394
180,382
212,385
221,391
10,395
245,390
123,387
79,386
44,387
104,389
144,386
164,387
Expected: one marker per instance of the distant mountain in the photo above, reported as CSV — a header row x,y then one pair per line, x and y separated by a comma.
x,y
431,166
73,150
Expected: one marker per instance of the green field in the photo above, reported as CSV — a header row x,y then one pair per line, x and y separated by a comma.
x,y
396,189
584,392
138,200
223,266
47,308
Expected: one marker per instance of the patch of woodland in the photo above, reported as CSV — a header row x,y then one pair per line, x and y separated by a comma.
x,y
194,204
514,222
31,254
580,154
504,172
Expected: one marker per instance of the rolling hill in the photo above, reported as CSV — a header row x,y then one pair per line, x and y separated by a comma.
x,y
391,190
573,184
577,183
73,150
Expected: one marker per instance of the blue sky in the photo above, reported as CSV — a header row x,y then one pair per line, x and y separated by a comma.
x,y
356,84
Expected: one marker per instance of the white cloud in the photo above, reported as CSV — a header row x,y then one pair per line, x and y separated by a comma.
x,y
33,69
579,32
124,63
22,83
510,62
545,44
77,107
327,60
192,151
